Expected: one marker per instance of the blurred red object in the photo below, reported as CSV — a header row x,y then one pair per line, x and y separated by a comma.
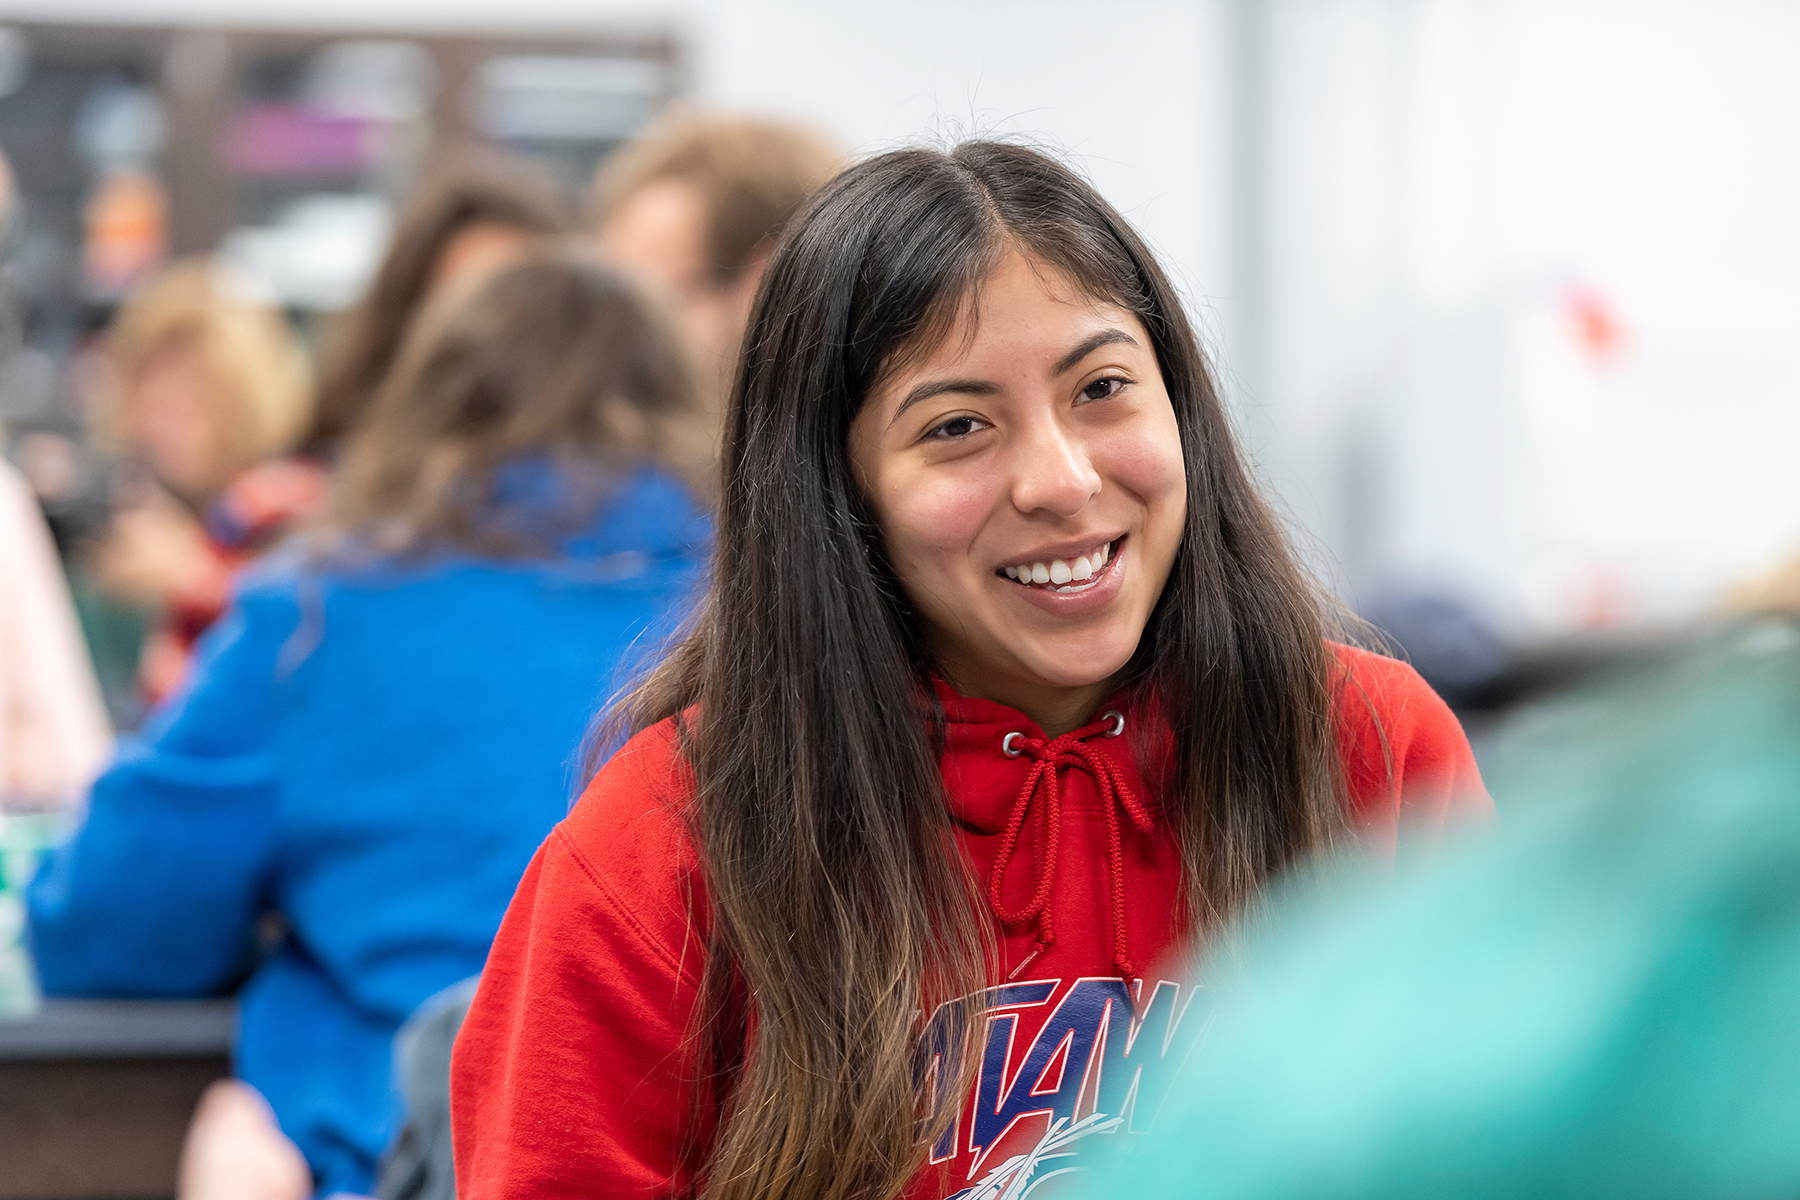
x,y
159,551
265,502
1601,596
1598,329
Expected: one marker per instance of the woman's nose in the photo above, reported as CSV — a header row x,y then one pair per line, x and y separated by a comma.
x,y
1053,472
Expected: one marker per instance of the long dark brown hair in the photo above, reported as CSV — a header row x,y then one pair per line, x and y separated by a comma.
x,y
557,362
469,189
840,907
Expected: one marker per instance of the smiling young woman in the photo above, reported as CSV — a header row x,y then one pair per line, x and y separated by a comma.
x,y
1006,685
1028,482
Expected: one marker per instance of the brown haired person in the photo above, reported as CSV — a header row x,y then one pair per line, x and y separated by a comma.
x,y
695,209
210,392
474,214
376,736
1007,683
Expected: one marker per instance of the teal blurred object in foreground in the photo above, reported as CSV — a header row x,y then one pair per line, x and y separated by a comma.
x,y
1600,998
24,837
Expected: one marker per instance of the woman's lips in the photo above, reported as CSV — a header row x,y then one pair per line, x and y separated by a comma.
x,y
1076,597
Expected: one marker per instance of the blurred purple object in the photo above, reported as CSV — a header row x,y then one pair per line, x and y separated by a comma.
x,y
291,139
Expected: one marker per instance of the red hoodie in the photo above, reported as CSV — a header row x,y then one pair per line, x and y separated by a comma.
x,y
568,1074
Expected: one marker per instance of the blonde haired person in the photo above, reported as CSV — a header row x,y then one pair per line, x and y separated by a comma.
x,y
694,209
379,733
209,391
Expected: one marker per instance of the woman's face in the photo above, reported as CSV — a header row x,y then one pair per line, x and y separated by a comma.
x,y
659,234
172,419
1028,478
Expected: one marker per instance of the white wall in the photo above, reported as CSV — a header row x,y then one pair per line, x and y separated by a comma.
x,y
1123,87
1451,180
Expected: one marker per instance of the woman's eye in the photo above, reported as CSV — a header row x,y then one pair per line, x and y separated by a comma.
x,y
1100,389
955,427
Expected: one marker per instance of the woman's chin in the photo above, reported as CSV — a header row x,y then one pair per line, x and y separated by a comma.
x,y
1027,673
1070,672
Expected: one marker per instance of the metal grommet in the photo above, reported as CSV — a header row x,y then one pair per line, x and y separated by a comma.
x,y
1006,745
1118,720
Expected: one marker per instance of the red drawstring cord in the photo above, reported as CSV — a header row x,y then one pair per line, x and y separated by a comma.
x,y
1068,750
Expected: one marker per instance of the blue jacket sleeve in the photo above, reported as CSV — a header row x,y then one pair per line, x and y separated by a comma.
x,y
159,891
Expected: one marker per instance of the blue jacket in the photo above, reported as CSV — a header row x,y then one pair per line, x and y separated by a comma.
x,y
374,754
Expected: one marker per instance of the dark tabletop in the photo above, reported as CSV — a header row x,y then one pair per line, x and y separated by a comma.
x,y
121,1029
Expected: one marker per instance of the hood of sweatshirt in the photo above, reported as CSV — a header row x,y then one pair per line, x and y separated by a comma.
x,y
1068,841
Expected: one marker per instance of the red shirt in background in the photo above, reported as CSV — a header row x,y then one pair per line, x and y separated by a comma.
x,y
256,510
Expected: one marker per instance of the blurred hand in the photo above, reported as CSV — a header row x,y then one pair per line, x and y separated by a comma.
x,y
156,553
235,1150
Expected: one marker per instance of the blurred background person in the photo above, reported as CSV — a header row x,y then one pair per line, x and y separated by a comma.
x,y
1597,1000
695,207
210,392
54,733
235,1150
473,215
386,725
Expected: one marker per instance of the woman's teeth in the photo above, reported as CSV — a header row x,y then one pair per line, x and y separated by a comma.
x,y
1058,572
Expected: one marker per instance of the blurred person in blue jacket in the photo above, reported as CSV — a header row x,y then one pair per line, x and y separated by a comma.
x,y
1600,999
387,722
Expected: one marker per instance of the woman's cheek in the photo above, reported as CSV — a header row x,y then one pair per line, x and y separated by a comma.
x,y
937,519
1146,460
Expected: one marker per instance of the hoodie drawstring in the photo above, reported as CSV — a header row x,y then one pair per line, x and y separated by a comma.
x,y
1049,756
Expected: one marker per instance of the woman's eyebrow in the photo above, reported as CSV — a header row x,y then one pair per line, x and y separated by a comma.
x,y
977,387
1103,337
937,387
